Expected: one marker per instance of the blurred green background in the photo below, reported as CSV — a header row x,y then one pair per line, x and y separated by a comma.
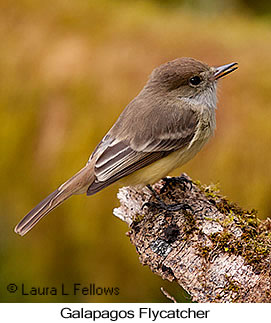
x,y
67,69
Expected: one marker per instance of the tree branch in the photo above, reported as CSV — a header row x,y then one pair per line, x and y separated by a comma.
x,y
216,251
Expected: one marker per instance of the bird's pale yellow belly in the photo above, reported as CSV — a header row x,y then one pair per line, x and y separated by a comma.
x,y
159,169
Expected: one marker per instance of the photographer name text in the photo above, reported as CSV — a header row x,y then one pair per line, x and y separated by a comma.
x,y
74,289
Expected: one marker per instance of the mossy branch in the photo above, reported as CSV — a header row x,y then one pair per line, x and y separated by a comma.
x,y
216,251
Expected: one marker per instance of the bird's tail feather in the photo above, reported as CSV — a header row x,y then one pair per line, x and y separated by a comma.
x,y
43,208
76,185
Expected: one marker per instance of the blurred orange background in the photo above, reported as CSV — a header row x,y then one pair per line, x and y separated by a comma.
x,y
68,68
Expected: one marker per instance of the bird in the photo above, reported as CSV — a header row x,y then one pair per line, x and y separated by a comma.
x,y
162,128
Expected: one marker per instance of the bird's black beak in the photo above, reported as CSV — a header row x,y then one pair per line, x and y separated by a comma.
x,y
224,70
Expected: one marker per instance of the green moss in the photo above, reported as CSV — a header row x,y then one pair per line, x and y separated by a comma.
x,y
232,287
253,244
190,225
204,251
138,218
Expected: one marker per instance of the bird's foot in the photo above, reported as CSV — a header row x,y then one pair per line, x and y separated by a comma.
x,y
181,180
160,204
169,207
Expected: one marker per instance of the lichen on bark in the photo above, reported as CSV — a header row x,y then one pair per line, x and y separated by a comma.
x,y
215,250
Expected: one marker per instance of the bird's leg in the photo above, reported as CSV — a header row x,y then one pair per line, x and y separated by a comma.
x,y
162,205
182,180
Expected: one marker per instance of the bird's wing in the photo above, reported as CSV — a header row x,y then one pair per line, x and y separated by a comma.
x,y
118,158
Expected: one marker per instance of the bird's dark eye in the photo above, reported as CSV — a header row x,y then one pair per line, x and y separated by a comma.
x,y
195,80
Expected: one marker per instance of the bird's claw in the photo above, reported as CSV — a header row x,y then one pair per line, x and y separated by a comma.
x,y
182,180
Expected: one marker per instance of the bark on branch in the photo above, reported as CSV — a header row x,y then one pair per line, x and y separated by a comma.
x,y
216,251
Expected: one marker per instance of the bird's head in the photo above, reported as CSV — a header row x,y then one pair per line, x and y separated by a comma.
x,y
189,79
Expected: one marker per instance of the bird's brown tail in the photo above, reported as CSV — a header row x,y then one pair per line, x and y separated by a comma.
x,y
75,185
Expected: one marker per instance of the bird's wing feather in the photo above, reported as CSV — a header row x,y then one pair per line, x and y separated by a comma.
x,y
118,158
